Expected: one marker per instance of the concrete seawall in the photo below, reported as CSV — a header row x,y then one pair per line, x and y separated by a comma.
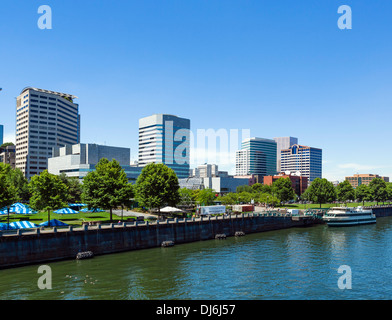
x,y
44,246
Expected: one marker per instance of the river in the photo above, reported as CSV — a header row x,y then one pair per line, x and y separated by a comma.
x,y
296,263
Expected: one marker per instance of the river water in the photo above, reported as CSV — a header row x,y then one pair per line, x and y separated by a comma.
x,y
297,263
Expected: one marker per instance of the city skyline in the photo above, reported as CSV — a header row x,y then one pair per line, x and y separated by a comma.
x,y
276,68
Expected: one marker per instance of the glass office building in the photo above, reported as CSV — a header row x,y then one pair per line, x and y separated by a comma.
x,y
304,159
1,134
164,138
257,156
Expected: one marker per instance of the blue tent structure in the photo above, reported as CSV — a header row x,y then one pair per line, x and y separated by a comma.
x,y
53,223
77,205
66,211
93,210
18,208
22,225
4,226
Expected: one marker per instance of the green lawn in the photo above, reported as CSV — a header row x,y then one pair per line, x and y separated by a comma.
x,y
71,219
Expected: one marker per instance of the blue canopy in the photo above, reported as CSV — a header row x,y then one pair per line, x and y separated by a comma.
x,y
18,208
77,204
4,226
92,210
66,211
22,225
53,223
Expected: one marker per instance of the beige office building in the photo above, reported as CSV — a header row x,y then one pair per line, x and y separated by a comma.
x,y
359,179
44,119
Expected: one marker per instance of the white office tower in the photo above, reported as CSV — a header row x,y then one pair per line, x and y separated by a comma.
x,y
165,139
281,144
44,119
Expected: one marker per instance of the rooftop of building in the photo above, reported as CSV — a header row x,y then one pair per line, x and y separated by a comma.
x,y
60,94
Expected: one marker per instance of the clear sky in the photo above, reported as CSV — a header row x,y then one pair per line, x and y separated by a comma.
x,y
277,68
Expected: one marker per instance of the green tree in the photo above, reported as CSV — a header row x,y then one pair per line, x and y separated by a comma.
x,y
229,198
362,193
156,186
16,178
267,198
186,197
246,197
107,186
389,191
48,192
345,191
244,188
262,188
283,190
320,191
378,190
75,189
206,197
8,192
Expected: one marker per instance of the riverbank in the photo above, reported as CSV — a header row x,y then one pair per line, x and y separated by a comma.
x,y
30,247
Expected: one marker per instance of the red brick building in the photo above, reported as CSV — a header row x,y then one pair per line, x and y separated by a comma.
x,y
298,183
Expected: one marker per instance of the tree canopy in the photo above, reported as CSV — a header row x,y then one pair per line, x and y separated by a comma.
x,y
157,186
345,191
320,191
107,186
283,190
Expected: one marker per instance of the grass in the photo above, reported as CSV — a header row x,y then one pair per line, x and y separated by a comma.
x,y
71,219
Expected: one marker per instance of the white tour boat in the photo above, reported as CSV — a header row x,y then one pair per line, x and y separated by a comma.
x,y
345,216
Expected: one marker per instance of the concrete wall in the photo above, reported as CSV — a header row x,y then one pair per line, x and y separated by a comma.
x,y
33,247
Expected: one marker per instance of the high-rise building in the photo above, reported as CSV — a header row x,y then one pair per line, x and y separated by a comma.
x,y
359,179
283,143
257,156
303,159
44,119
207,171
1,134
164,138
7,155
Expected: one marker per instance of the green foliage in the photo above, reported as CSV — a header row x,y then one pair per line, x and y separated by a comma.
x,y
244,188
320,191
187,197
206,197
107,186
17,180
74,188
6,144
261,188
229,198
345,191
283,190
378,190
8,192
362,193
47,192
156,186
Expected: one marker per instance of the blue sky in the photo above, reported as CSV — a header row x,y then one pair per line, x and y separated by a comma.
x,y
278,68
